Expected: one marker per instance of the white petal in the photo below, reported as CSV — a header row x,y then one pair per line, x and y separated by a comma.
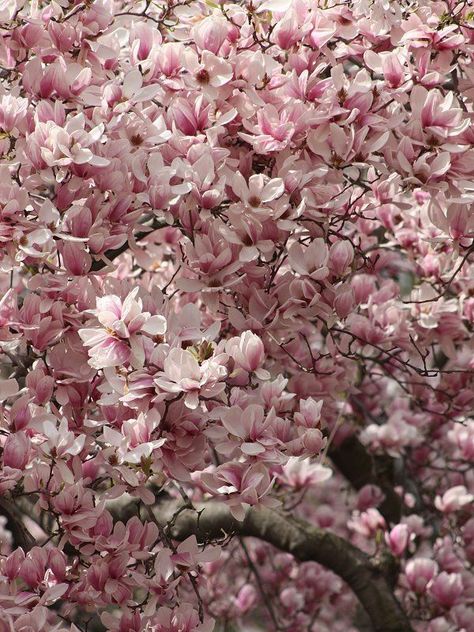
x,y
280,6
147,93
156,325
8,388
132,83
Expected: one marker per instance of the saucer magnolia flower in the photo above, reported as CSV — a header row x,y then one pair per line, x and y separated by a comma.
x,y
183,373
419,572
188,554
60,441
210,33
258,192
248,353
367,523
341,255
309,415
242,486
454,499
133,92
311,261
130,448
210,72
71,143
302,473
439,115
249,428
246,598
446,588
273,131
398,539
183,618
16,450
118,341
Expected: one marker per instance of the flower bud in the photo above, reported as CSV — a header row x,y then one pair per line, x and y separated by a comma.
x,y
16,451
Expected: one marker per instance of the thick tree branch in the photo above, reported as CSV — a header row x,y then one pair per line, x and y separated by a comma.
x,y
368,578
306,543
20,534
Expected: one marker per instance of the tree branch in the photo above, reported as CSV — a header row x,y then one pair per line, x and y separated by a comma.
x,y
306,543
112,254
20,534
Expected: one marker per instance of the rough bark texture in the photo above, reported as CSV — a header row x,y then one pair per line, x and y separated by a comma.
x,y
20,535
305,543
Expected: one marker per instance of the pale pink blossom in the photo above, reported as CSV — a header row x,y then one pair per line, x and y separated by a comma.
x,y
446,588
398,539
248,353
419,573
454,499
70,144
118,341
302,473
241,485
257,192
182,373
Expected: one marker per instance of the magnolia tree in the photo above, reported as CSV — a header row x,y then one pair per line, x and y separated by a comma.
x,y
236,314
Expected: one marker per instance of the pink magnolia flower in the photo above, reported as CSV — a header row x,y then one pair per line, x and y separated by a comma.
x,y
249,428
311,261
257,192
210,33
209,72
134,537
109,577
341,255
188,554
248,353
241,485
367,523
124,622
246,599
300,473
454,499
190,118
397,539
183,618
369,496
118,341
217,221
309,414
462,436
134,446
183,373
60,441
446,588
8,388
273,131
69,144
12,112
17,450
419,572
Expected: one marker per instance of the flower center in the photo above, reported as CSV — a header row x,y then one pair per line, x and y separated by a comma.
x,y
254,201
136,140
202,76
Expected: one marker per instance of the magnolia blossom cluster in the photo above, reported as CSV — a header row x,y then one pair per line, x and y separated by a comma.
x,y
236,237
